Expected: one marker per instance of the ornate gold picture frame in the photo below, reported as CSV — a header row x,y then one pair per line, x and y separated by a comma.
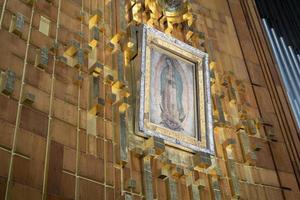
x,y
174,92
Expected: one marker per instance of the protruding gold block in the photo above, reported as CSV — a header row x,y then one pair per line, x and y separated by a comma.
x,y
95,110
256,147
119,84
116,38
188,17
123,106
177,172
93,43
251,126
124,93
98,108
28,98
17,24
249,154
7,82
42,58
131,49
96,69
271,135
95,19
163,172
95,36
136,11
201,160
189,34
218,110
155,143
72,48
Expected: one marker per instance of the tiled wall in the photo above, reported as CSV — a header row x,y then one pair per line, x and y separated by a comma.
x,y
46,152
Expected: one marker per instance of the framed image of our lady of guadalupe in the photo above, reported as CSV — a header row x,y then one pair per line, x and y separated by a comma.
x,y
174,92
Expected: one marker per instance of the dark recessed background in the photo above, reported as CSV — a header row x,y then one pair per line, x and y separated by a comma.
x,y
284,17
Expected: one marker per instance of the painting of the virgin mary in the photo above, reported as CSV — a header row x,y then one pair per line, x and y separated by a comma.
x,y
171,90
172,100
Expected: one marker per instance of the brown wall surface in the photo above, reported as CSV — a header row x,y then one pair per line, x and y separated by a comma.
x,y
57,149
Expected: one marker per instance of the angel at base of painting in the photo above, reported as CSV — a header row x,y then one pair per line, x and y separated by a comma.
x,y
171,89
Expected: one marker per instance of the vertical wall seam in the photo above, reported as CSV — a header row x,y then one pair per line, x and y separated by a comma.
x,y
19,107
2,12
48,140
78,118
